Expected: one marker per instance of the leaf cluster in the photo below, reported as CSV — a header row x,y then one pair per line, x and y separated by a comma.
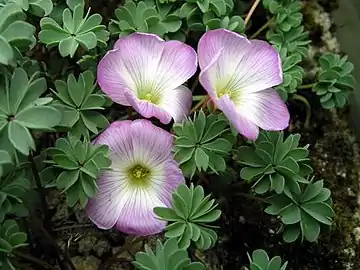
x,y
79,103
190,214
303,214
15,33
88,32
261,261
335,80
38,8
11,238
79,163
22,110
146,16
275,164
167,256
203,15
203,143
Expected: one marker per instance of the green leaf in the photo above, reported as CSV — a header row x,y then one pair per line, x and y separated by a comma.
x,y
67,179
201,159
20,137
39,117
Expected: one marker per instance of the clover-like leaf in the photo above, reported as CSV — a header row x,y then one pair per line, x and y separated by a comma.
x,y
167,256
234,23
145,16
203,143
80,163
261,261
293,73
190,214
335,80
11,238
275,164
5,158
79,103
88,32
303,214
15,32
39,8
13,188
287,14
22,109
296,40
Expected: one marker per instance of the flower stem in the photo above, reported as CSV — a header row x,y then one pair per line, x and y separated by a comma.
x,y
307,108
39,185
262,28
307,86
252,9
196,82
199,104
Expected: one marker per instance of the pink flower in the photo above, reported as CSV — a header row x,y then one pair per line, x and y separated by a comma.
x,y
142,176
238,75
147,73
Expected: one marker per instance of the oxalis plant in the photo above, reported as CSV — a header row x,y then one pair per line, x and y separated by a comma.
x,y
127,111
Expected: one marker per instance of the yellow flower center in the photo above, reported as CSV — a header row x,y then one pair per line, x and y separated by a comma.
x,y
139,175
149,95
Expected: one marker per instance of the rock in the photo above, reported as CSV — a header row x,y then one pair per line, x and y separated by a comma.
x,y
101,247
86,244
86,263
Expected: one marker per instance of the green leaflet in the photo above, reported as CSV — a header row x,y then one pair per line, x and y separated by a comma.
x,y
167,256
261,261
23,110
335,81
14,32
79,103
76,30
190,215
275,164
80,163
303,214
203,143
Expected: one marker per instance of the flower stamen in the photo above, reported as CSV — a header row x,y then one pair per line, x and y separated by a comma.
x,y
139,176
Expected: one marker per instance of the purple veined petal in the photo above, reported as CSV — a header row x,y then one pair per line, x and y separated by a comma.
x,y
177,103
146,108
147,66
265,109
242,66
240,123
151,145
105,208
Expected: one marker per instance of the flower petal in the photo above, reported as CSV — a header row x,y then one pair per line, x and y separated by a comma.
x,y
177,103
151,145
105,208
146,108
144,62
243,65
265,109
241,124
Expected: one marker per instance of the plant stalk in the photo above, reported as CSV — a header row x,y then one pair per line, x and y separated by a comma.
x,y
262,28
307,86
252,10
307,108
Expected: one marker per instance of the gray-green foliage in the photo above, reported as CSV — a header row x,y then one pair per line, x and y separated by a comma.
x,y
335,81
22,110
80,103
211,14
15,33
145,16
292,73
190,215
39,8
88,32
261,261
13,188
80,163
304,214
273,163
10,238
167,256
203,143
